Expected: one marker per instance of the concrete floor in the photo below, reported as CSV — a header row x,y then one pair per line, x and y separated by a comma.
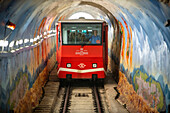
x,y
113,105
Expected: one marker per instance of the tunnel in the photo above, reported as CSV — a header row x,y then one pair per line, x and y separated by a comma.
x,y
138,49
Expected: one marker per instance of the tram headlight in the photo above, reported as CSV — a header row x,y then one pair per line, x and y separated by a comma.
x,y
94,65
68,64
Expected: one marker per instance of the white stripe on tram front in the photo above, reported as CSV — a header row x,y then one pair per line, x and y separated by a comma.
x,y
80,71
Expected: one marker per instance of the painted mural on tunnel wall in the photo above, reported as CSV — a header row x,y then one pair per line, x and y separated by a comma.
x,y
24,72
144,56
144,48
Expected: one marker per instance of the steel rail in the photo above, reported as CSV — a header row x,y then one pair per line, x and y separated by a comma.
x,y
66,99
97,100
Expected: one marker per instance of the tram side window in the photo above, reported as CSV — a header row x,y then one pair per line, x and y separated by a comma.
x,y
77,34
66,37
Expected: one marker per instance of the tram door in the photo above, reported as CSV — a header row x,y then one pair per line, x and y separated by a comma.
x,y
58,42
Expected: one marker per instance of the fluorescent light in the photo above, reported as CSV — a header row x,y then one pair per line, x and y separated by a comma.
x,y
13,51
49,31
35,39
45,33
53,34
16,42
17,49
49,35
20,47
20,41
26,40
31,40
11,44
38,37
3,43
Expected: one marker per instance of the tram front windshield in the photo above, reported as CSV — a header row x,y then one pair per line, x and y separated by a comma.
x,y
81,34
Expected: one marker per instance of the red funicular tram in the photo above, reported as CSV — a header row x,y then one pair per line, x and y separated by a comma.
x,y
82,49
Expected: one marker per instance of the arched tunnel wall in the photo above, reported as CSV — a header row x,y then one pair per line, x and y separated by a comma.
x,y
24,73
138,51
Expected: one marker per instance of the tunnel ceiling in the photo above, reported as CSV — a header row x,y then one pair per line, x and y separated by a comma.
x,y
94,12
28,15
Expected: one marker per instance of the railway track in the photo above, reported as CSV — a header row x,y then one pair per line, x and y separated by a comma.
x,y
82,98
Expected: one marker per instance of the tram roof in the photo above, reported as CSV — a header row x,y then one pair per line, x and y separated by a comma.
x,y
82,21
